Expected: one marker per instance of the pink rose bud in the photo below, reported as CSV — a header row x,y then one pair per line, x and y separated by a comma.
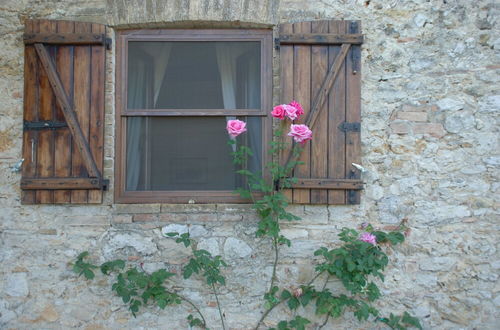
x,y
279,112
235,127
300,133
296,105
298,292
368,238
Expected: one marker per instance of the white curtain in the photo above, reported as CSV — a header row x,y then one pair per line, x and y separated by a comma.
x,y
138,80
160,52
147,70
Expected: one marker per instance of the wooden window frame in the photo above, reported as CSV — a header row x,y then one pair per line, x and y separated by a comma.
x,y
264,36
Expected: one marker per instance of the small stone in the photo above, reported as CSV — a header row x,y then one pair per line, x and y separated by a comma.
x,y
142,244
421,64
434,129
293,233
420,20
489,104
475,169
6,315
174,228
211,245
450,104
193,230
235,248
49,314
400,128
492,161
437,264
459,122
412,116
16,285
496,301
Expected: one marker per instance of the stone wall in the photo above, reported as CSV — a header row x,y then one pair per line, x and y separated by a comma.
x,y
430,144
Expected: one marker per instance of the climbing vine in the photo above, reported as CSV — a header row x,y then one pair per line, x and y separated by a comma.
x,y
358,262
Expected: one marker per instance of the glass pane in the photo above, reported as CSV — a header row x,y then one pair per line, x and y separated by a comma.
x,y
186,153
193,75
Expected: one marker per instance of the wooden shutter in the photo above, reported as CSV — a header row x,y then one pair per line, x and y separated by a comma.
x,y
321,69
63,112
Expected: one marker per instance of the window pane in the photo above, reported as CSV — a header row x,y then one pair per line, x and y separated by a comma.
x,y
193,75
186,153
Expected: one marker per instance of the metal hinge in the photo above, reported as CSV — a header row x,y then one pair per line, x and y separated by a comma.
x,y
351,194
47,124
277,43
108,42
350,127
356,50
105,184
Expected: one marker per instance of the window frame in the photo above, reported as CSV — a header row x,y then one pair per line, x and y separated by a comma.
x,y
264,36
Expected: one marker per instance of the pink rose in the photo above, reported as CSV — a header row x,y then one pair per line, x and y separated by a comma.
x,y
235,127
291,112
279,111
300,133
368,238
297,106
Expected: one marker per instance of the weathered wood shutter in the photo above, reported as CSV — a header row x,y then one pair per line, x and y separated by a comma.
x,y
321,69
63,132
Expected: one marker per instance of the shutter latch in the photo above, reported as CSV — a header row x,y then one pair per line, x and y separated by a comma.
x,y
47,124
350,127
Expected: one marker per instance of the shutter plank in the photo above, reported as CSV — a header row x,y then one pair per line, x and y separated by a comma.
x,y
45,147
287,82
319,162
302,94
96,137
30,113
353,115
337,99
82,62
63,140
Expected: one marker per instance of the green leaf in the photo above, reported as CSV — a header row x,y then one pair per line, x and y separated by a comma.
x,y
285,294
111,266
293,303
88,274
410,320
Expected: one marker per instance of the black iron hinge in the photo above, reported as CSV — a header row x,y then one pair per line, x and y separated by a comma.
x,y
351,194
277,43
356,49
350,127
105,184
47,124
108,42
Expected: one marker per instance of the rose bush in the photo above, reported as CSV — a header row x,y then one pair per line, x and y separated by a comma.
x,y
359,259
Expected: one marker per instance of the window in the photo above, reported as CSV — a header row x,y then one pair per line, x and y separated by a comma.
x,y
175,91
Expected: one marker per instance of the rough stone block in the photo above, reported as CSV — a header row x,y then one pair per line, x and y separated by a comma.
x,y
144,217
236,248
85,220
434,129
412,116
122,218
136,208
173,217
400,128
16,285
314,214
234,208
188,208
